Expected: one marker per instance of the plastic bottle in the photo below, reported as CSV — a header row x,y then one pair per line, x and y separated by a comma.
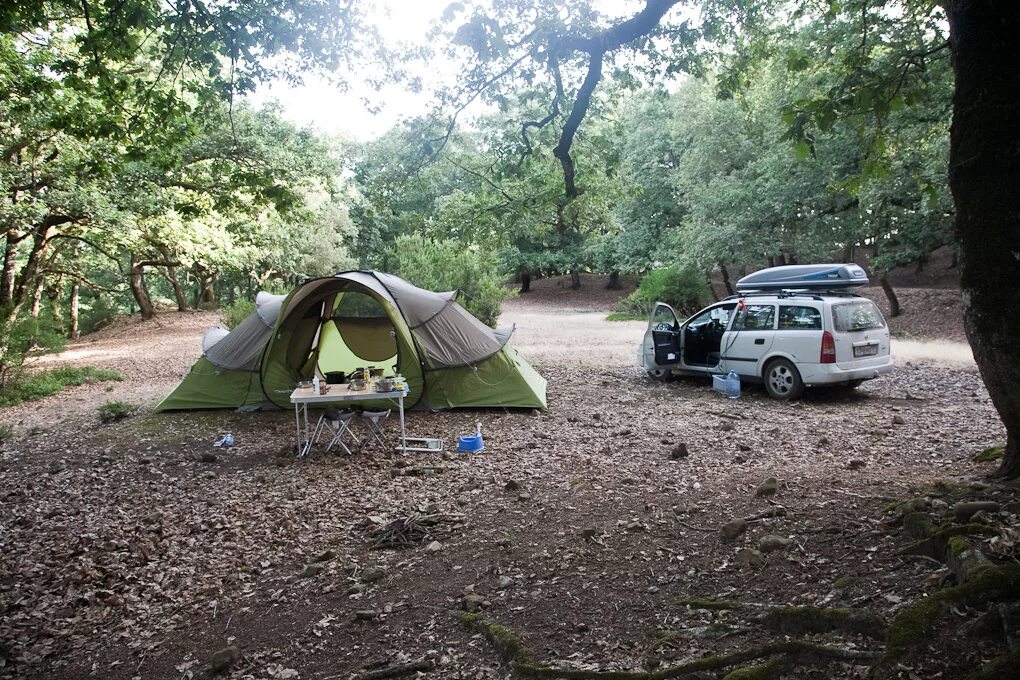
x,y
732,385
315,385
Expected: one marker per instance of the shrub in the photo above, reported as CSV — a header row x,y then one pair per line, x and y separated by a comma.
x,y
237,312
31,386
115,410
99,313
23,336
442,265
684,289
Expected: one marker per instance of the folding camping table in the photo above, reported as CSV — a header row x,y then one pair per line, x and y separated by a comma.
x,y
303,396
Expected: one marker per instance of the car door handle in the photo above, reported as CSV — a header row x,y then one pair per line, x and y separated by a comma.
x,y
759,341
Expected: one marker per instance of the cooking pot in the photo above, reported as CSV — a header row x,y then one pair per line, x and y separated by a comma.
x,y
336,377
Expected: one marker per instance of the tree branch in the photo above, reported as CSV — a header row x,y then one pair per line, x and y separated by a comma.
x,y
641,24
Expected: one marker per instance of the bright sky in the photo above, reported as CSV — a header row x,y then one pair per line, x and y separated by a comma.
x,y
321,105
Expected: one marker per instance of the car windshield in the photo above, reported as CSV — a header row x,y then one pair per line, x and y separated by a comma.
x,y
860,315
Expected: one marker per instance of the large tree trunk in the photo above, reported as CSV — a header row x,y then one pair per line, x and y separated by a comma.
x,y
984,173
575,279
74,333
138,290
206,297
726,278
525,282
171,276
890,295
37,291
53,294
614,281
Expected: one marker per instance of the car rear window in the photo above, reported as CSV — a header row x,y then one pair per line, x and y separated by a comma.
x,y
799,318
860,315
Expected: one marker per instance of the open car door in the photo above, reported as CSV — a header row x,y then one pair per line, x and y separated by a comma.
x,y
662,339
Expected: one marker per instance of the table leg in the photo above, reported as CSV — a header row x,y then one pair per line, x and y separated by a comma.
x,y
308,441
297,428
403,434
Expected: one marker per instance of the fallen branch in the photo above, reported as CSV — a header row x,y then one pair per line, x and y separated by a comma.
x,y
410,530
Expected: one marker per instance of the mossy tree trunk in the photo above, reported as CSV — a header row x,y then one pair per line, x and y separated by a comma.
x,y
984,172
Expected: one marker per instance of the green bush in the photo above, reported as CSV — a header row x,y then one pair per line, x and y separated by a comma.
x,y
23,336
99,313
115,410
31,386
684,289
237,312
448,265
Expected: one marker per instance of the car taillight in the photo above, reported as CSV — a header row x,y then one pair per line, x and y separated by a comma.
x,y
828,349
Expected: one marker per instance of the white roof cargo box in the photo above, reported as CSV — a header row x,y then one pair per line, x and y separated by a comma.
x,y
804,277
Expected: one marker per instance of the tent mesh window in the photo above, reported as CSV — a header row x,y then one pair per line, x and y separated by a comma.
x,y
365,327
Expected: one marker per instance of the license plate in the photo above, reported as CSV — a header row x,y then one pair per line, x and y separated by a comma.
x,y
865,350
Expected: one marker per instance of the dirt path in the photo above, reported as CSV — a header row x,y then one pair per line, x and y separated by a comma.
x,y
551,333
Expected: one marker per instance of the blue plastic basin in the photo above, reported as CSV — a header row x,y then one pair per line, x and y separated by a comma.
x,y
470,443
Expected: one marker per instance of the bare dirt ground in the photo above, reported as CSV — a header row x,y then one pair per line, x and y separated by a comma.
x,y
136,549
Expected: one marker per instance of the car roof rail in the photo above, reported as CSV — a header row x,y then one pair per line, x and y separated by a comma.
x,y
784,293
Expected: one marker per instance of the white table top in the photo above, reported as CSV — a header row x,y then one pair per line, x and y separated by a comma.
x,y
305,395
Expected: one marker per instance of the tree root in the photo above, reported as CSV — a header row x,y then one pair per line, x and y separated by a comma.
x,y
999,668
512,652
915,623
935,543
761,671
804,620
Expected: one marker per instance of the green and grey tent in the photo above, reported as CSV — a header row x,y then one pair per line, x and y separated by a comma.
x,y
359,319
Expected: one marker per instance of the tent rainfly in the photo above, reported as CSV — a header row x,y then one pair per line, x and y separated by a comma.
x,y
352,320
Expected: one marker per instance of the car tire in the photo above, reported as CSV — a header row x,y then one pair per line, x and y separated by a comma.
x,y
782,380
662,374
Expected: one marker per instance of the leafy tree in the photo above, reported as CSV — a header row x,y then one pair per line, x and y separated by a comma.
x,y
446,265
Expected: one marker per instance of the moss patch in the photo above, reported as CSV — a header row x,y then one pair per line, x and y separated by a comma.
x,y
811,620
760,671
916,622
917,524
990,455
999,668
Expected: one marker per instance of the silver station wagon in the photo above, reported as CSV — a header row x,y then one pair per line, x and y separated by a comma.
x,y
788,327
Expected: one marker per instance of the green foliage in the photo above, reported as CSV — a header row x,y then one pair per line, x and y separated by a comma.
x,y
685,289
237,312
112,411
34,385
446,265
22,336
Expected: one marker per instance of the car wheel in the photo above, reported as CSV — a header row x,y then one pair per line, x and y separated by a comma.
x,y
660,373
782,380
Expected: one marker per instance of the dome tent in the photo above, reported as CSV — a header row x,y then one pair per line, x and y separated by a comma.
x,y
358,319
